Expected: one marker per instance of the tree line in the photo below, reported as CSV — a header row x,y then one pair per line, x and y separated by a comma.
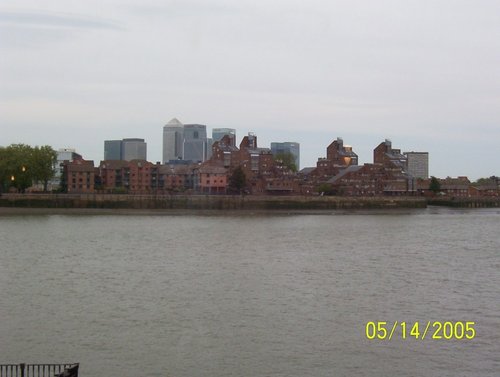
x,y
21,166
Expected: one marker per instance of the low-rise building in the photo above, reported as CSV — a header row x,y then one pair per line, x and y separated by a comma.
x,y
212,179
372,180
455,187
134,177
78,176
175,178
486,188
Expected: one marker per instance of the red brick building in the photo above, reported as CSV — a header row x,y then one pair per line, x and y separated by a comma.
x,y
386,155
134,177
212,179
173,178
489,189
78,176
261,170
371,180
455,187
338,157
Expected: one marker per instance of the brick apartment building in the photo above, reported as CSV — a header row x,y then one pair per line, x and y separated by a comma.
x,y
78,176
371,180
212,179
455,187
135,177
174,178
262,172
385,154
487,188
338,157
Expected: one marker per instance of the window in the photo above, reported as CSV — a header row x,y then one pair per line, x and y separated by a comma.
x,y
254,162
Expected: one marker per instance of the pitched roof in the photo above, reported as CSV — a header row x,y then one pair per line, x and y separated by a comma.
x,y
208,169
306,171
174,122
113,164
342,173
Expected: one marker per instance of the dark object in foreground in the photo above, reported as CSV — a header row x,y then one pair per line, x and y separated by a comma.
x,y
39,370
69,372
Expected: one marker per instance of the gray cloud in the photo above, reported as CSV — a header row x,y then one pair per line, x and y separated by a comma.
x,y
184,8
39,19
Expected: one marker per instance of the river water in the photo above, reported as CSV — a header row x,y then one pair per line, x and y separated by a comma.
x,y
250,294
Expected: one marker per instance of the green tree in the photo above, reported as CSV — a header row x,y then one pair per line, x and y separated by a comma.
x,y
14,170
237,180
486,181
325,189
3,169
434,185
21,164
287,159
43,160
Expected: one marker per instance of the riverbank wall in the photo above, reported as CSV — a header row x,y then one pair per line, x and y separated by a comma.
x,y
205,202
485,202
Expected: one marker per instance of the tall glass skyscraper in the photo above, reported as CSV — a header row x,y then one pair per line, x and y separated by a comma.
x,y
112,150
173,141
195,142
126,149
134,149
185,142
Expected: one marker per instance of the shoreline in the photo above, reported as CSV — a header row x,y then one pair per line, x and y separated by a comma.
x,y
18,211
204,202
220,204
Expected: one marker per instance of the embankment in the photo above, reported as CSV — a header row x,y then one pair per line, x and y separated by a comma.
x,y
485,202
205,202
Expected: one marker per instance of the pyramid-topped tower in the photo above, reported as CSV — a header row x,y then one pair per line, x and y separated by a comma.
x,y
173,140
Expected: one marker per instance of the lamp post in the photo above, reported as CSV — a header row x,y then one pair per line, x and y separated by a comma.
x,y
18,181
12,182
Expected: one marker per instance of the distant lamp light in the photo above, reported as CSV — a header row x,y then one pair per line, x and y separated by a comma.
x,y
12,178
23,168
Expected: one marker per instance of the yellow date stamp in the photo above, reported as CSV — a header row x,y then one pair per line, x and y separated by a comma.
x,y
437,330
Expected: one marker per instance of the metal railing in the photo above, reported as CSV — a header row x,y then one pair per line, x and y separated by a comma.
x,y
39,370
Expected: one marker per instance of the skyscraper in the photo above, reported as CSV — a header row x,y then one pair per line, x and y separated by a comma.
x,y
134,149
195,142
285,148
173,140
126,149
112,150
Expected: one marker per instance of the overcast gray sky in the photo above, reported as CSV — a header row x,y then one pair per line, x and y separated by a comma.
x,y
425,74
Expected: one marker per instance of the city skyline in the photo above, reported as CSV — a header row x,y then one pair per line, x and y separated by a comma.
x,y
423,75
